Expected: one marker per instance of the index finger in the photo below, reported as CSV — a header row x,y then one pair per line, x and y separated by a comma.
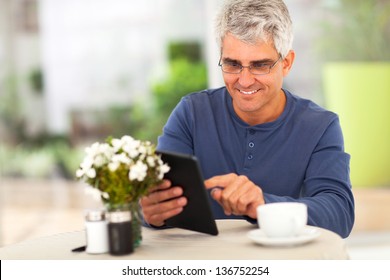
x,y
221,181
164,185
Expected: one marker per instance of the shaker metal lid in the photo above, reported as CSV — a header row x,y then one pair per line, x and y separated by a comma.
x,y
94,215
119,216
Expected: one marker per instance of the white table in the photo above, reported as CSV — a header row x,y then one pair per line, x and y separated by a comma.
x,y
232,243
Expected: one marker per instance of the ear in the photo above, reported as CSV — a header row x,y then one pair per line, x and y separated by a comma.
x,y
288,62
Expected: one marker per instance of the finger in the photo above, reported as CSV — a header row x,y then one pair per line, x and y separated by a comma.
x,y
220,181
163,195
232,192
216,194
238,195
248,201
159,219
250,193
235,187
252,207
146,201
164,185
223,182
156,214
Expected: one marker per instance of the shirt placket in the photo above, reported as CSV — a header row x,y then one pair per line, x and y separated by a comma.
x,y
250,148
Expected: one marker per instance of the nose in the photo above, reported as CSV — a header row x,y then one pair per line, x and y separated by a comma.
x,y
246,78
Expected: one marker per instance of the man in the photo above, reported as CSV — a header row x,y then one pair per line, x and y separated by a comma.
x,y
256,142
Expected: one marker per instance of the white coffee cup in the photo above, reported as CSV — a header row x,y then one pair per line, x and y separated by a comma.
x,y
282,219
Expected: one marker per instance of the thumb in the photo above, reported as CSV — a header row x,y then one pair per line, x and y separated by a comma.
x,y
216,194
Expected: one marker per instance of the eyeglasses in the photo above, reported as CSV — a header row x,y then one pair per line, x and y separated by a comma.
x,y
232,67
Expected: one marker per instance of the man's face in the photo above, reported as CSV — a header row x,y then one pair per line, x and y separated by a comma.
x,y
256,98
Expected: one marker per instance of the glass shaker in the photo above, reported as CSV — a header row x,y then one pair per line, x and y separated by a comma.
x,y
120,233
96,231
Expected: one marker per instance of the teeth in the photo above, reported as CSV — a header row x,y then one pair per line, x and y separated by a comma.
x,y
248,92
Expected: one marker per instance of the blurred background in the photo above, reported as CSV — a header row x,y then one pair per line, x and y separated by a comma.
x,y
77,71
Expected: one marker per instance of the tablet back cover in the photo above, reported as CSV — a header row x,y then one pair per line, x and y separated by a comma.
x,y
185,172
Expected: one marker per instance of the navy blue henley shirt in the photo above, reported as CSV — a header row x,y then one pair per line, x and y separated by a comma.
x,y
298,157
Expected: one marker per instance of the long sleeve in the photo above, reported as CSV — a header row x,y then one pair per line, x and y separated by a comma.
x,y
298,157
326,188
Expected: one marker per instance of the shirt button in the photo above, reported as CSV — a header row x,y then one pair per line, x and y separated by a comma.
x,y
251,144
250,157
252,131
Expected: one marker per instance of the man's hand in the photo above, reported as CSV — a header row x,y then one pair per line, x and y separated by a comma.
x,y
236,194
161,203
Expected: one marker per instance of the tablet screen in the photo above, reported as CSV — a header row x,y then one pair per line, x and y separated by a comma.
x,y
185,172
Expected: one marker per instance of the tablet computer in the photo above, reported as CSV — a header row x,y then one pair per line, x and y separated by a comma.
x,y
185,172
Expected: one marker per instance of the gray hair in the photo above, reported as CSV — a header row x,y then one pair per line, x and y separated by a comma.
x,y
252,21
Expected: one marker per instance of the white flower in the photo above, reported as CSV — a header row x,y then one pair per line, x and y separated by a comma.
x,y
106,152
99,153
86,169
142,150
105,195
117,144
127,139
116,161
150,161
131,148
113,166
91,173
138,171
99,161
164,168
149,148
134,157
121,158
93,149
94,193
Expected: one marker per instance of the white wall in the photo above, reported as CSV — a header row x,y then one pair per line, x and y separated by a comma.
x,y
105,52
100,52
96,52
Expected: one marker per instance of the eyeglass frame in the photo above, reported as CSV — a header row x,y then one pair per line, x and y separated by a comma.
x,y
250,67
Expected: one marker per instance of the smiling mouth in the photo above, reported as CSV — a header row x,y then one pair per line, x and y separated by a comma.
x,y
248,92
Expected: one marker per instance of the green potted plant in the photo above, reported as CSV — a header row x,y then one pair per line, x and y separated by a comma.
x,y
122,170
355,48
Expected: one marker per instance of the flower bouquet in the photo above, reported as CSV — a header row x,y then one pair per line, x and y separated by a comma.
x,y
123,170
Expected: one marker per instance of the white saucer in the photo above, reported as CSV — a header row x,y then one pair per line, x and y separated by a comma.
x,y
308,234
